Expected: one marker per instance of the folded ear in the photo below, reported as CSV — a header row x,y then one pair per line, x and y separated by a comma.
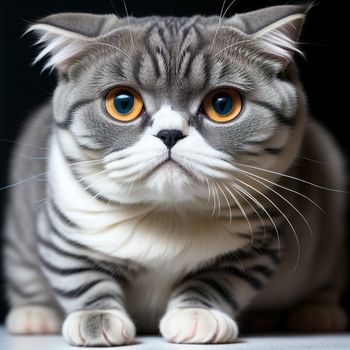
x,y
64,36
276,29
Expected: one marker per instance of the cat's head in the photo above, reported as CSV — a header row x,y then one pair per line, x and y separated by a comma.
x,y
170,106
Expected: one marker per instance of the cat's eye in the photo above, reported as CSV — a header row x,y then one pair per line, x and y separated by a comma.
x,y
222,105
123,104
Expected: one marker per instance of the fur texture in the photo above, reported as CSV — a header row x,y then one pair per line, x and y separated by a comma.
x,y
112,233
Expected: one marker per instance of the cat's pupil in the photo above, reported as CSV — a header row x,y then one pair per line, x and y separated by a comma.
x,y
124,102
222,104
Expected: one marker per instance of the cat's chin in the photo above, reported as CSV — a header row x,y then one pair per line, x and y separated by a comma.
x,y
170,183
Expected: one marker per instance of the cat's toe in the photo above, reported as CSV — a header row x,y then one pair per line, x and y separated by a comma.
x,y
98,328
317,317
33,320
199,326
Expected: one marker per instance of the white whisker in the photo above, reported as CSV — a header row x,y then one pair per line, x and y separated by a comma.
x,y
293,178
218,25
112,46
218,198
283,198
24,144
285,188
23,181
242,211
208,201
214,200
235,187
259,205
91,175
314,161
130,32
227,201
286,218
221,17
114,9
233,45
41,174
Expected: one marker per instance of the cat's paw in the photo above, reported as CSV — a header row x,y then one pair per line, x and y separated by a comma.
x,y
198,326
33,320
317,317
98,328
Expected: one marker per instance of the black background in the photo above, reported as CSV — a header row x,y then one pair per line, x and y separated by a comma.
x,y
23,87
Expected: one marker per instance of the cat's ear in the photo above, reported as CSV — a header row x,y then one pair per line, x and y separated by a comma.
x,y
276,29
63,37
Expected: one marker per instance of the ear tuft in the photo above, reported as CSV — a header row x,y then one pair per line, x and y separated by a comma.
x,y
59,45
276,29
63,37
280,38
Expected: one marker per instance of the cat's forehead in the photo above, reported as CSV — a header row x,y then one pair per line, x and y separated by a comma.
x,y
171,60
174,55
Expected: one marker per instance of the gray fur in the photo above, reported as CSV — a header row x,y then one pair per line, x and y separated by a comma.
x,y
174,62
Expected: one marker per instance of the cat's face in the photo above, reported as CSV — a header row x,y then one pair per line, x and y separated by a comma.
x,y
170,105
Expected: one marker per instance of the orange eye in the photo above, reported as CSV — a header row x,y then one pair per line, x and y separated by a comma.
x,y
124,104
222,105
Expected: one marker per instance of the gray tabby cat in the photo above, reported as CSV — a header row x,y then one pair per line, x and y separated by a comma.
x,y
178,190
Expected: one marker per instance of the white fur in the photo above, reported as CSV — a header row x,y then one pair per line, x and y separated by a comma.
x,y
279,39
114,326
34,320
59,44
166,118
198,326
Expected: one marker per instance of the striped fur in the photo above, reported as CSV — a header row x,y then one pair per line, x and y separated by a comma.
x,y
111,238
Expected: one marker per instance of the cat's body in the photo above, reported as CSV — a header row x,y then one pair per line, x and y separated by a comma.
x,y
171,243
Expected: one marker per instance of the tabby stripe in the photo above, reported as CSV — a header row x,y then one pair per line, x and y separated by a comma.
x,y
88,148
88,189
70,114
273,254
79,291
262,269
257,142
60,251
277,114
273,151
221,290
194,301
153,59
253,281
54,230
65,271
60,214
98,298
98,268
201,292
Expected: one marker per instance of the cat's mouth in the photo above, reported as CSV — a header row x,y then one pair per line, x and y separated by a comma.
x,y
172,165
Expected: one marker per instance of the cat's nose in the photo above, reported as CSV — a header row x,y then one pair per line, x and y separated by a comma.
x,y
170,137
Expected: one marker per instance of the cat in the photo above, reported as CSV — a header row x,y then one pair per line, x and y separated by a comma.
x,y
177,183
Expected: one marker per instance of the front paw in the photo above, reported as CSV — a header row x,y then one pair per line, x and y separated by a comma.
x,y
198,326
34,319
98,328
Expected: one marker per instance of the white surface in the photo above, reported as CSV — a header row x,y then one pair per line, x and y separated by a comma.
x,y
329,342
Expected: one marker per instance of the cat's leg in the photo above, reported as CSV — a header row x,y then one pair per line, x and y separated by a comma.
x,y
33,309
89,291
205,304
